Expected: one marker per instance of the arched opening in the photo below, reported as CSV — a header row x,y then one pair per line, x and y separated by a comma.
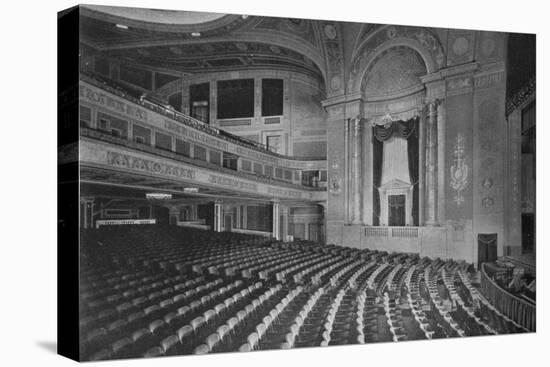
x,y
393,94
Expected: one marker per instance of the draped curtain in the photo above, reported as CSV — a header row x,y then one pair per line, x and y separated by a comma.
x,y
409,131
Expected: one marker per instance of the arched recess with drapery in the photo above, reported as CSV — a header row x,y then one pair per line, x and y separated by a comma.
x,y
407,130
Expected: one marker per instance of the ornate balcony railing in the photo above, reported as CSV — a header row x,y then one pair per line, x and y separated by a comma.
x,y
392,232
105,137
122,222
111,87
515,308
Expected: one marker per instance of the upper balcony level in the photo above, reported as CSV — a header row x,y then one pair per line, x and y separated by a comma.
x,y
113,116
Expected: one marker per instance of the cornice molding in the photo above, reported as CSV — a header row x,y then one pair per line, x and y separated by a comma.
x,y
450,72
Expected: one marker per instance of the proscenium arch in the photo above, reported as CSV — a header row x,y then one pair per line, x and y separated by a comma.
x,y
368,72
363,59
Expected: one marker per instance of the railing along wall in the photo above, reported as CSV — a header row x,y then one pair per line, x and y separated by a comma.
x,y
392,232
108,86
517,309
102,136
119,222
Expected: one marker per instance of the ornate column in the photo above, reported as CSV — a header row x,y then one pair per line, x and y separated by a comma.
x,y
356,169
218,215
323,206
347,170
366,158
441,161
284,228
431,164
275,228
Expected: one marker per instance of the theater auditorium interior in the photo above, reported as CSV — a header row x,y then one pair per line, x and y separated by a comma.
x,y
251,183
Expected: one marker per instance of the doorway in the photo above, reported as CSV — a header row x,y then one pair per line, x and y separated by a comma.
x,y
486,248
228,223
396,210
161,214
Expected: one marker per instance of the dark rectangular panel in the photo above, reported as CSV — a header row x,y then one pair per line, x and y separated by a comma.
x,y
183,148
163,141
215,157
272,97
141,134
199,153
235,98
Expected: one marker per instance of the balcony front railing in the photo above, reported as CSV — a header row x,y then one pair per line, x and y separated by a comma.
x,y
106,137
521,311
392,232
111,87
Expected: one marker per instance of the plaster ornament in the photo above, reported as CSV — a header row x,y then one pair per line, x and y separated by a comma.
x,y
488,202
459,169
460,46
487,183
330,31
336,82
335,185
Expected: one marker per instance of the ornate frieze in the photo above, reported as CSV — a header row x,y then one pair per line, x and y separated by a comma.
x,y
231,182
127,161
460,85
489,80
102,99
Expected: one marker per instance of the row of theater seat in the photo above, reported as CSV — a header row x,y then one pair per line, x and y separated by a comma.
x,y
170,291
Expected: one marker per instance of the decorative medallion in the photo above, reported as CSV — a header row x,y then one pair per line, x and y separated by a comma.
x,y
459,169
460,46
487,183
330,31
488,202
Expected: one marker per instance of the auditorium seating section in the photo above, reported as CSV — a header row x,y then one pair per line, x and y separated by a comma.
x,y
157,291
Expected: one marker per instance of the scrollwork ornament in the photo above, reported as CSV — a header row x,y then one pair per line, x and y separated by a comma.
x,y
459,169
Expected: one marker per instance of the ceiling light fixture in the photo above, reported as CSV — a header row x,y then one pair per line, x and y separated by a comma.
x,y
121,26
196,34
